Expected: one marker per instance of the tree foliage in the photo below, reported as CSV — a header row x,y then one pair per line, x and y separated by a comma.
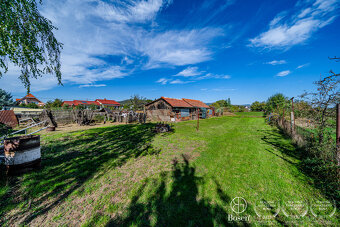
x,y
258,106
323,101
222,103
276,102
54,104
136,102
27,41
32,105
5,98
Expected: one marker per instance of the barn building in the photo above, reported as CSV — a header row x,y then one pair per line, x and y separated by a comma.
x,y
170,109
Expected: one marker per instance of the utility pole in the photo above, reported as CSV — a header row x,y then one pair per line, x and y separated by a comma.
x,y
198,118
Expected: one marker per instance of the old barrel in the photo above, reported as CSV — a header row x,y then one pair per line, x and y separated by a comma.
x,y
22,152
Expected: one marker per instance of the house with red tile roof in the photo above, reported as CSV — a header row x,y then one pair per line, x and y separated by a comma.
x,y
30,99
108,103
170,109
97,102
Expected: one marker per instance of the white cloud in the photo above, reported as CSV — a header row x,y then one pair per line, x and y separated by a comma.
x,y
165,81
178,48
285,31
190,71
283,73
224,76
213,76
126,60
277,62
301,66
92,85
194,74
162,81
130,10
94,31
177,81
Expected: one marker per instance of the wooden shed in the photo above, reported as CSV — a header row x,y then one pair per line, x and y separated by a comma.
x,y
170,109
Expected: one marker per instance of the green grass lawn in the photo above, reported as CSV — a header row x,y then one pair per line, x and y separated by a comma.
x,y
128,175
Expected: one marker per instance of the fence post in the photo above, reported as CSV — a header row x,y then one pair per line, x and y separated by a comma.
x,y
198,119
292,117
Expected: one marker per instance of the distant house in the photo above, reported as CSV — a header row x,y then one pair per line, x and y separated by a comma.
x,y
97,102
108,103
170,109
30,99
83,103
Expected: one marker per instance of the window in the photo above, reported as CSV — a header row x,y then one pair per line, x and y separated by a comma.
x,y
185,113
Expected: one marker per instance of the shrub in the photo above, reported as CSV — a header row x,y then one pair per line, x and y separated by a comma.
x,y
99,118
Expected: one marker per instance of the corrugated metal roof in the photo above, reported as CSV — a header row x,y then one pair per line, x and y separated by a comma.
x,y
196,103
176,102
8,117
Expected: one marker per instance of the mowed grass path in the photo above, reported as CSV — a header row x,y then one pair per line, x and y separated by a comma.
x,y
127,175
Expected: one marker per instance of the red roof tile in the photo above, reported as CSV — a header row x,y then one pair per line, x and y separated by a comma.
x,y
8,117
107,102
176,102
84,102
29,95
70,103
196,103
80,102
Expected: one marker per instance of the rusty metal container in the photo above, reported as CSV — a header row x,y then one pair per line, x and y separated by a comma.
x,y
22,152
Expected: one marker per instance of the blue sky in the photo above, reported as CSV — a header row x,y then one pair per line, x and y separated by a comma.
x,y
204,49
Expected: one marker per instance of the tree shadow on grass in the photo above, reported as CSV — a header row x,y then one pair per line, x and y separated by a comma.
x,y
322,174
70,161
158,204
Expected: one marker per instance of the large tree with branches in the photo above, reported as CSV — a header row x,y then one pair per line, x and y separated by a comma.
x,y
324,101
27,41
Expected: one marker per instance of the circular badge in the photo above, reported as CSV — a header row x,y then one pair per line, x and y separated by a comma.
x,y
322,208
267,209
295,208
238,205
